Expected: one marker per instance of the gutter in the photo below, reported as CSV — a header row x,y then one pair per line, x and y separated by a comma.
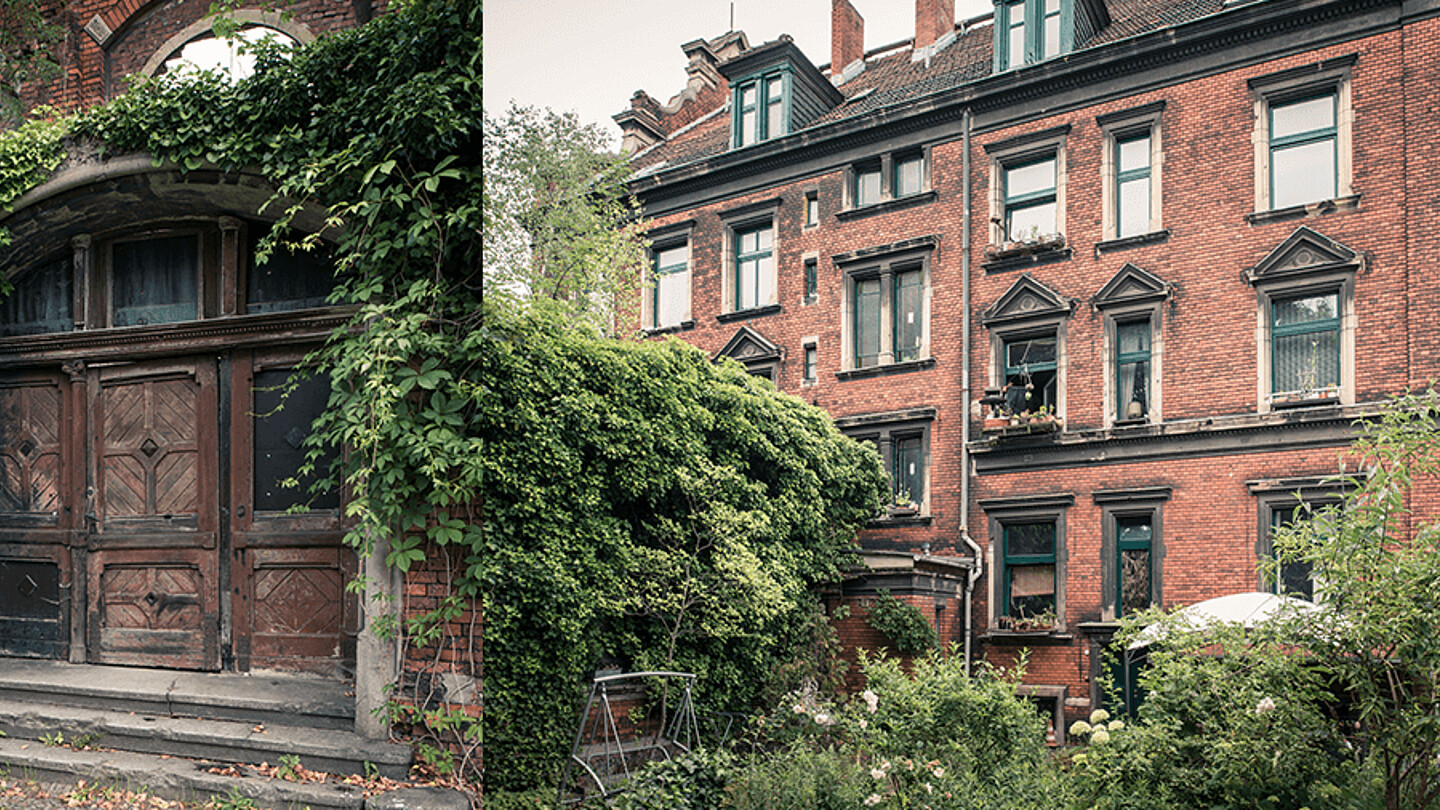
x,y
965,395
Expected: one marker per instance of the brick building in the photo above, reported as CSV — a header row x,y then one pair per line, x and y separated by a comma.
x,y
1105,282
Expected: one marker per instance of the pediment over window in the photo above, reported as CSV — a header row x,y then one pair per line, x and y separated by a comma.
x,y
1027,299
750,347
1131,285
1304,252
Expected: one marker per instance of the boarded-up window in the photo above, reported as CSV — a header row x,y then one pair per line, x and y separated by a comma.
x,y
155,281
280,432
40,302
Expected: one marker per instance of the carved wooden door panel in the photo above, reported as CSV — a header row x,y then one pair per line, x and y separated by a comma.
x,y
291,610
153,581
36,514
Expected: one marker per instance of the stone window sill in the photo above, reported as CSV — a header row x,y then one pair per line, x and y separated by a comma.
x,y
888,368
744,314
1339,205
669,330
1133,241
1028,260
886,205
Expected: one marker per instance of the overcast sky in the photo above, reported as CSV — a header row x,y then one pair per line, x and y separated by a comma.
x,y
589,56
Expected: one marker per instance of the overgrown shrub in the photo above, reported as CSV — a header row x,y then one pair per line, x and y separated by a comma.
x,y
691,781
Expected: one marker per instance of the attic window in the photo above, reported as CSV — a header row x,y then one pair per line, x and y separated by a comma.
x,y
233,57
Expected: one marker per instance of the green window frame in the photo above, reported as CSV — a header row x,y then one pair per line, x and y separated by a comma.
x,y
866,190
907,470
1030,570
909,176
1031,372
1305,342
1304,149
754,266
808,372
907,326
867,322
760,105
1029,31
1293,577
1030,197
1134,564
1132,185
1132,368
668,262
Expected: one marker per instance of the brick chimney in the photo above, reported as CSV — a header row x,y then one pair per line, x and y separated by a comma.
x,y
847,36
933,20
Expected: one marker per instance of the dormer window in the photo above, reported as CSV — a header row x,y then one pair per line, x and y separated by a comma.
x,y
759,109
1028,31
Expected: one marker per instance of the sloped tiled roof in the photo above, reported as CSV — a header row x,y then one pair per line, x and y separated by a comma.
x,y
892,78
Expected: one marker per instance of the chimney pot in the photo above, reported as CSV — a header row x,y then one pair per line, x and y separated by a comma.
x,y
933,20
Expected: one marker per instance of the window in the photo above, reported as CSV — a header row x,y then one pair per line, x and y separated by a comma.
x,y
1306,322
1027,535
754,267
812,360
901,438
812,209
1132,182
1292,577
670,298
1132,370
760,107
1027,187
1305,343
40,301
1282,502
1028,31
867,185
288,279
1030,200
887,180
1031,374
155,280
1302,151
812,280
1130,171
909,175
886,291
1029,561
1302,144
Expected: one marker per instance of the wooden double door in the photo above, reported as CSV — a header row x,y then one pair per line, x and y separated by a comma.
x,y
143,518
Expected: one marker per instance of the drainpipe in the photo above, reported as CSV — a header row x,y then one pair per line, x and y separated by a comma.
x,y
965,395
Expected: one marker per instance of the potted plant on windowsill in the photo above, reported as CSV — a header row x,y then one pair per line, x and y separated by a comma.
x,y
903,506
1307,396
1025,244
1043,420
1043,622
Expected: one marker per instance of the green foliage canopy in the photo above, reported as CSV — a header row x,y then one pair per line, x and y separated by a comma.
x,y
647,505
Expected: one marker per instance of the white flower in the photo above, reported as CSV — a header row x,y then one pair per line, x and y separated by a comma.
x,y
1116,725
1078,728
929,788
872,700
823,719
1265,706
938,771
798,709
873,799
1099,716
877,773
1100,736
864,724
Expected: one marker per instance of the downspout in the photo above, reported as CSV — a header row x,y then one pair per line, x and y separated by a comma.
x,y
965,394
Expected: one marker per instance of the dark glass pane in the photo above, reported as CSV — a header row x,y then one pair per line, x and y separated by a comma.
x,y
908,475
40,302
811,280
1307,361
1133,401
867,322
907,316
279,440
1134,580
1307,310
1029,538
1133,530
1295,579
1020,353
302,280
155,281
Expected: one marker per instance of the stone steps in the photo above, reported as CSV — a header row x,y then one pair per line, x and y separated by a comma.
x,y
161,730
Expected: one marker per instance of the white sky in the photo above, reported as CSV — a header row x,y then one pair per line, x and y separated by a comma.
x,y
590,56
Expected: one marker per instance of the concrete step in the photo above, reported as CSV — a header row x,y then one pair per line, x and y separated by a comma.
x,y
269,698
228,741
170,778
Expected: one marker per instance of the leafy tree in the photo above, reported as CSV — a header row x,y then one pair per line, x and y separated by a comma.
x,y
561,229
1376,563
648,506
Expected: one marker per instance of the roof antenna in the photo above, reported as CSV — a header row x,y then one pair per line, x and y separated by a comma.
x,y
732,15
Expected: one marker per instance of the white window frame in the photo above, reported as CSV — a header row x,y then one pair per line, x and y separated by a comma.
x,y
1330,76
1115,129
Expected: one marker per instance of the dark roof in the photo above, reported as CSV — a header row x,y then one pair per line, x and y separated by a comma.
x,y
891,78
